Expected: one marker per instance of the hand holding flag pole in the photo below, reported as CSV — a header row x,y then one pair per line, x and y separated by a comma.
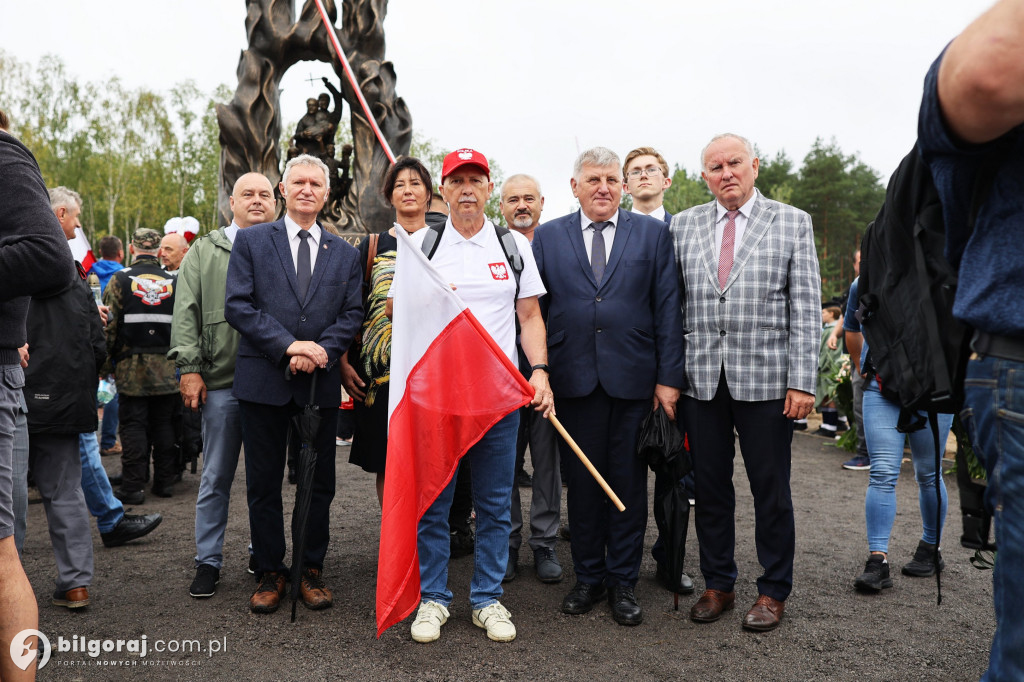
x,y
586,462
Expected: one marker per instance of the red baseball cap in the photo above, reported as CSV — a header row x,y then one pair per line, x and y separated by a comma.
x,y
464,157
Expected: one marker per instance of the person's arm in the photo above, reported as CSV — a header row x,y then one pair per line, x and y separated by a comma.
x,y
854,343
981,79
805,322
833,337
668,326
34,256
187,329
533,338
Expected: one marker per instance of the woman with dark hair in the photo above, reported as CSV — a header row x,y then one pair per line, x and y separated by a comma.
x,y
407,187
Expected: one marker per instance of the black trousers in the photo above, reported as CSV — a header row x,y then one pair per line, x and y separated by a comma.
x,y
265,440
766,437
147,424
607,545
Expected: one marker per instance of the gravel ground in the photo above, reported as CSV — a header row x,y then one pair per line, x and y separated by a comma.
x,y
830,632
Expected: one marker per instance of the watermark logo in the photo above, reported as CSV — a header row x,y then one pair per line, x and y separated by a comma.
x,y
22,652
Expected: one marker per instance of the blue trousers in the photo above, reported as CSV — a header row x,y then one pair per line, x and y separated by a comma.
x,y
492,461
994,416
222,443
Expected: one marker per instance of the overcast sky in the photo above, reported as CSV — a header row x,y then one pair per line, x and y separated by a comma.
x,y
529,82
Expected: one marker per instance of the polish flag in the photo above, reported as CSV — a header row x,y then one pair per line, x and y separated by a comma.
x,y
450,383
81,250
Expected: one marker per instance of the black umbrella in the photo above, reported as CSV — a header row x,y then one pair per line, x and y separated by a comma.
x,y
663,447
305,424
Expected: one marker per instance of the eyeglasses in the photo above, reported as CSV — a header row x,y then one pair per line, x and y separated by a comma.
x,y
649,171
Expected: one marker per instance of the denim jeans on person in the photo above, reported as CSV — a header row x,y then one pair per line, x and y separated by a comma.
x,y
994,416
108,430
99,496
222,442
885,445
492,462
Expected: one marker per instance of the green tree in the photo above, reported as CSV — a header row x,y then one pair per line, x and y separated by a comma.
x,y
686,191
776,177
842,194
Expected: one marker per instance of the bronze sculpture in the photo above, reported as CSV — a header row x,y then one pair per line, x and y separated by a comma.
x,y
250,125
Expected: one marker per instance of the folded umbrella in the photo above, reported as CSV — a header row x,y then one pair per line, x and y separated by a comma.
x,y
305,424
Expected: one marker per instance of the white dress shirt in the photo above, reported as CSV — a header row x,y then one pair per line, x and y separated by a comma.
x,y
741,225
608,233
658,213
294,241
231,230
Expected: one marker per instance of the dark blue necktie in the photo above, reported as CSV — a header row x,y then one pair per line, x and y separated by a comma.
x,y
303,272
597,257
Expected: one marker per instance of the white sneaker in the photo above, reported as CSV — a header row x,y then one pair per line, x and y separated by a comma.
x,y
497,621
429,619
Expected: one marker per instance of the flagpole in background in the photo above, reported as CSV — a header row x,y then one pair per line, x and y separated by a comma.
x,y
352,79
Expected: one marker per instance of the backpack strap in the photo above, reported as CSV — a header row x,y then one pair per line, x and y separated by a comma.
x,y
431,239
512,255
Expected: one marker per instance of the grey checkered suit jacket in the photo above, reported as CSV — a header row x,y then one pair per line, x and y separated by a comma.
x,y
766,325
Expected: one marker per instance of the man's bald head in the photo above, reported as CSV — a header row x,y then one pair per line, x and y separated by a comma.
x,y
252,200
172,250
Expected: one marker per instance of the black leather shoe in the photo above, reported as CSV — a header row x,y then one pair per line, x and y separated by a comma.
x,y
115,480
625,609
582,598
130,497
511,568
163,490
682,586
130,527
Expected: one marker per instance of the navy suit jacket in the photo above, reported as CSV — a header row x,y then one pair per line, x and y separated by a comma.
x,y
262,303
627,333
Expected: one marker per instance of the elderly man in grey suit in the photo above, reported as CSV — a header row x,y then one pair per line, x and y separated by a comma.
x,y
751,300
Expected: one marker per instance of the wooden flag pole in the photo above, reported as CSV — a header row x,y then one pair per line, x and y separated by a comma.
x,y
586,462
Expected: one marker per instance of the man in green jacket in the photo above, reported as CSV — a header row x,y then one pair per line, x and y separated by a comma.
x,y
203,348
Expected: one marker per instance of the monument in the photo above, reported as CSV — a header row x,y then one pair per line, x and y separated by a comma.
x,y
250,125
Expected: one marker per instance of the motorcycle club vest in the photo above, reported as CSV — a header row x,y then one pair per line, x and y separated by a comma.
x,y
147,303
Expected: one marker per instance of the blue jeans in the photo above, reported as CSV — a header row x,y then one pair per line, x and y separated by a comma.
x,y
99,496
885,445
222,441
108,429
493,461
994,415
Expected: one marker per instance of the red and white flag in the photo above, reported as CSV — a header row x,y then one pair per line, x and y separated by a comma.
x,y
450,383
80,249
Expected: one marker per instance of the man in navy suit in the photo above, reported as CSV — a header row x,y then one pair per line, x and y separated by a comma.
x,y
645,177
615,341
294,295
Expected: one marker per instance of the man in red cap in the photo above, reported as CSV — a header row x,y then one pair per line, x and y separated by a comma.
x,y
468,252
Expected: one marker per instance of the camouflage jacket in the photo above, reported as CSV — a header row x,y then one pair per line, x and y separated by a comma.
x,y
140,373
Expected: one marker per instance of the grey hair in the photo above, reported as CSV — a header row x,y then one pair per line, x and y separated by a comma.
x,y
307,160
520,177
746,145
595,156
64,196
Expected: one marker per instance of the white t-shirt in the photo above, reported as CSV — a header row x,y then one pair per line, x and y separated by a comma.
x,y
484,279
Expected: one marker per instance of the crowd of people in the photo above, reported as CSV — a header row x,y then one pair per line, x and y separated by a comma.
x,y
713,315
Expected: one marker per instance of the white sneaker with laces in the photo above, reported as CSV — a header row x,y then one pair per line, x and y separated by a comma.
x,y
497,621
429,619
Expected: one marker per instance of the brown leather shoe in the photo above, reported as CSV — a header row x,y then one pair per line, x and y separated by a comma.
x,y
74,598
765,614
711,605
315,595
267,596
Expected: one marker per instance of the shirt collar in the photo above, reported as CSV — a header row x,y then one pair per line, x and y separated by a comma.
x,y
658,213
453,236
231,231
586,222
745,209
293,229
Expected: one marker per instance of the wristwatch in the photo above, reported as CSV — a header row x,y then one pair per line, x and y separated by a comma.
x,y
543,367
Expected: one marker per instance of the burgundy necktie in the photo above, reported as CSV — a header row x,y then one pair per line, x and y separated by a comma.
x,y
728,245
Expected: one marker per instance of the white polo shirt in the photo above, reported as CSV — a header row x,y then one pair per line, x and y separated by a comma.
x,y
484,279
